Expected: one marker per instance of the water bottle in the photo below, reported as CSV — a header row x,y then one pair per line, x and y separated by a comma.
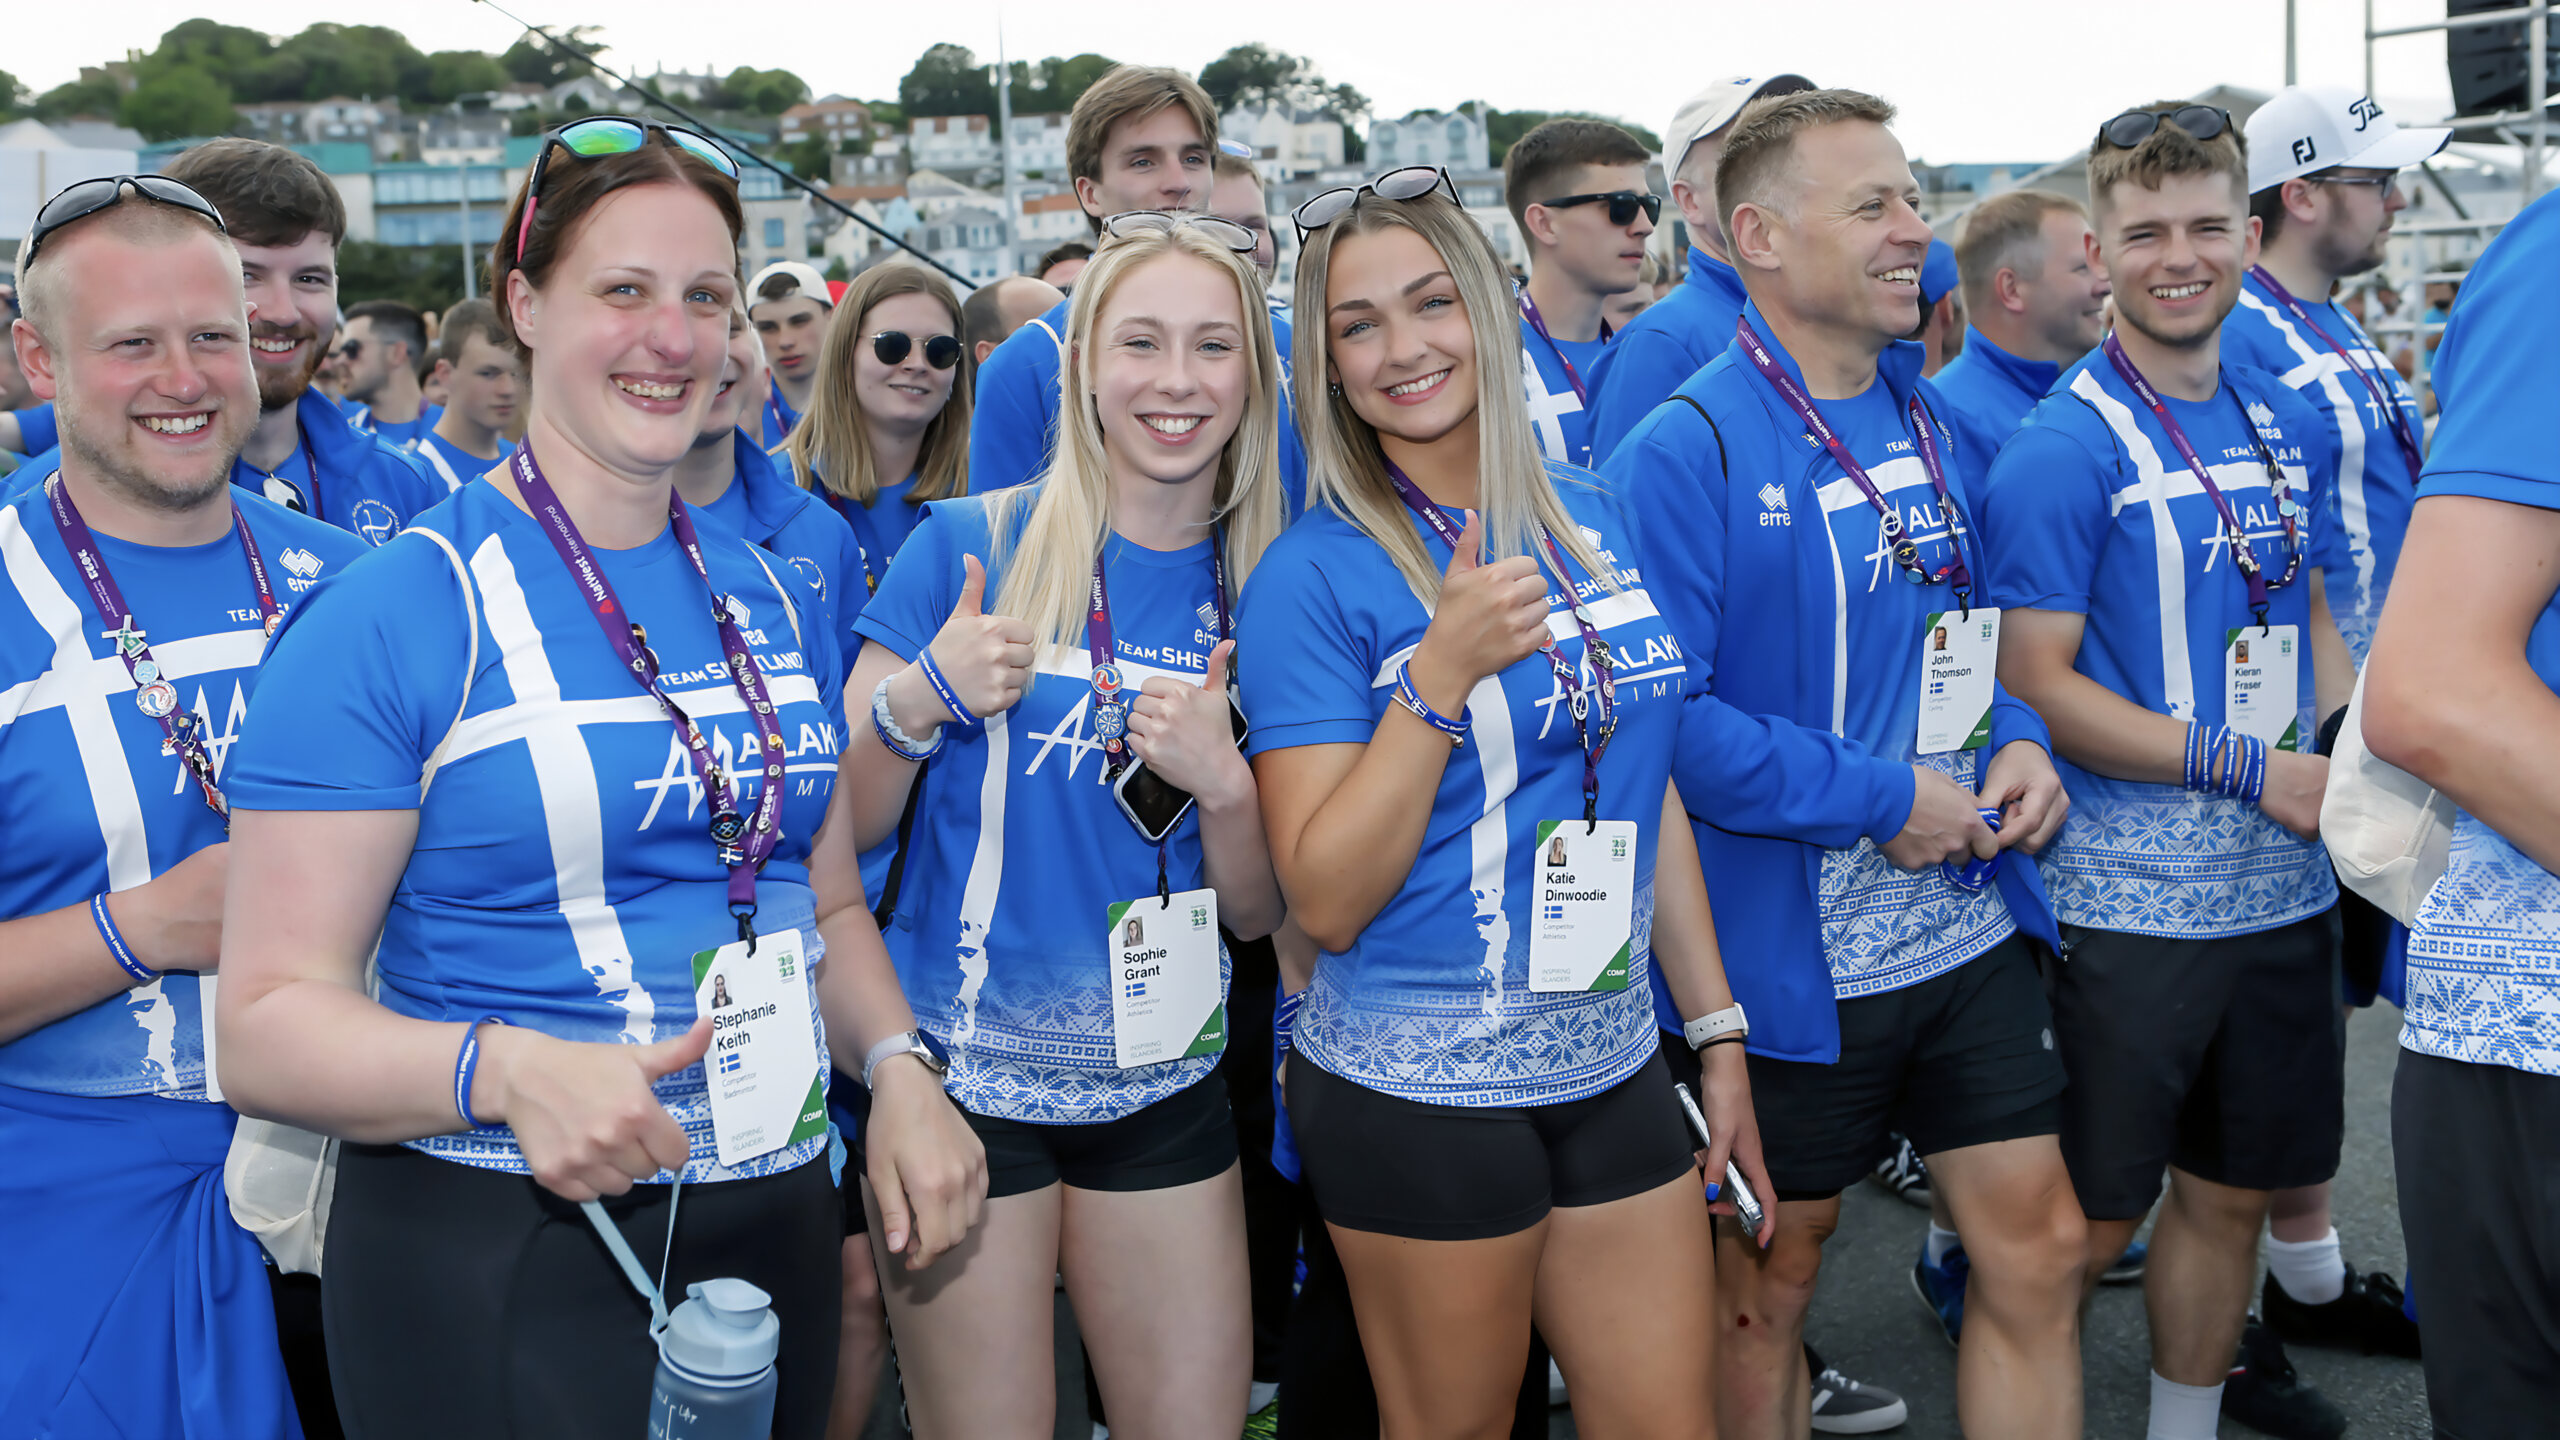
x,y
715,1376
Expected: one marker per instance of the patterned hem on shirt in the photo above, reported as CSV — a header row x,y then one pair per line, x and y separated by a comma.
x,y
2160,860
2484,959
1037,1045
1525,1049
1884,927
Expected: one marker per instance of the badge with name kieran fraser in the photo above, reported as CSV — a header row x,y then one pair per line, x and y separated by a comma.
x,y
2262,683
1959,653
1582,926
1168,1001
762,1069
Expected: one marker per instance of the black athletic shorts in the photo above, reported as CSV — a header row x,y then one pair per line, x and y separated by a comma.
x,y
2224,1057
460,1301
1186,1137
2478,1153
1392,1166
1965,1057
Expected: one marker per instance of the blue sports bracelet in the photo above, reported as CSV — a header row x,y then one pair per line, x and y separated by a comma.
x,y
107,931
1284,1019
1411,699
2221,761
942,688
466,1065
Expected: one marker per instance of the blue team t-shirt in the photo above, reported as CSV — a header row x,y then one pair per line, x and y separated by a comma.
x,y
1018,846
452,464
1432,1001
1561,417
2369,507
2484,956
1660,349
88,799
564,874
404,434
2090,511
37,431
881,526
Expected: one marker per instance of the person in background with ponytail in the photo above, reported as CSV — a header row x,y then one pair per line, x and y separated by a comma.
x,y
1475,1087
1037,645
569,756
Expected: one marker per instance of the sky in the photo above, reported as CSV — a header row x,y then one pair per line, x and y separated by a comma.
x,y
1976,80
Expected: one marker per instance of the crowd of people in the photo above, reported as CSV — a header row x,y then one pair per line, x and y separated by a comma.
x,y
1584,770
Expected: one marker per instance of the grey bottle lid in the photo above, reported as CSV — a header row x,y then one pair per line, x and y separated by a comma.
x,y
725,1334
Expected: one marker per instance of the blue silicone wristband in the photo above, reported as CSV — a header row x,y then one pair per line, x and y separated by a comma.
x,y
1284,1019
107,931
1412,700
942,689
466,1065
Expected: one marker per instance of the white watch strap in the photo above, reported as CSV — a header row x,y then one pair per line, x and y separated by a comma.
x,y
905,1042
1722,1022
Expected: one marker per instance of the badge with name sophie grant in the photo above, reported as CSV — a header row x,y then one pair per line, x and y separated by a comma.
x,y
1168,995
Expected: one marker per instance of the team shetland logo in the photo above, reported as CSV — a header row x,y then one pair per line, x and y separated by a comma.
x,y
375,521
1773,506
810,572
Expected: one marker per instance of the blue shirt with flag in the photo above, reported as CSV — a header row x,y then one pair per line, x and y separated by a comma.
x,y
1556,412
2484,956
1019,848
450,463
2369,508
564,873
1432,1001
2091,511
89,799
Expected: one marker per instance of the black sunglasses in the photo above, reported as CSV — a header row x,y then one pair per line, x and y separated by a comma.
x,y
1409,183
349,350
88,197
2135,126
1623,205
613,135
940,351
1154,222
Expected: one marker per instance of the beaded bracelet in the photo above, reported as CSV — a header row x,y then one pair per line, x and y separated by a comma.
x,y
107,931
1412,700
466,1065
942,688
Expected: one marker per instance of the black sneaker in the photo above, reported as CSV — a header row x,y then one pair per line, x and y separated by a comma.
x,y
2369,1315
1842,1406
2263,1392
1902,1173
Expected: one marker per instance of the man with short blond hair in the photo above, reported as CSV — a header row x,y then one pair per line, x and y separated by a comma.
x,y
2034,303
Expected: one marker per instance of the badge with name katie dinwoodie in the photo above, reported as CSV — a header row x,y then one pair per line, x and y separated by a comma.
x,y
1959,654
762,1068
1168,1001
1582,924
2262,684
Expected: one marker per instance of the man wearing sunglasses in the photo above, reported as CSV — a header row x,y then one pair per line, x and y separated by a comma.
x,y
2161,508
1694,323
384,346
1141,138
1576,189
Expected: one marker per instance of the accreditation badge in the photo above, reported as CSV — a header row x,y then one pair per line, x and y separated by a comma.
x,y
762,1068
1582,925
1959,657
1167,999
2262,684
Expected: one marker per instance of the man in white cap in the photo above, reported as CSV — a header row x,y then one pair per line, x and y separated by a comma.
x,y
1694,323
789,303
2324,184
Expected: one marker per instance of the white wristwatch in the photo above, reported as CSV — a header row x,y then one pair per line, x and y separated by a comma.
x,y
907,1042
1727,1021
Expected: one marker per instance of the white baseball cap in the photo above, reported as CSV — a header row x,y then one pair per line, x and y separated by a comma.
x,y
1713,108
2313,127
812,284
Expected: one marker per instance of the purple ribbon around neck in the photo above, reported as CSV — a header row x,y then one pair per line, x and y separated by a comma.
x,y
745,843
1538,324
1110,712
2385,403
155,694
1591,732
2287,509
1906,551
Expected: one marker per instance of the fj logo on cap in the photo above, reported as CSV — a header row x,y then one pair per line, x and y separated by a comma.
x,y
2304,150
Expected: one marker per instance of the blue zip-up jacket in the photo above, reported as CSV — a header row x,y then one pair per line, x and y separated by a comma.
x,y
1661,348
1013,420
1988,393
800,527
1768,783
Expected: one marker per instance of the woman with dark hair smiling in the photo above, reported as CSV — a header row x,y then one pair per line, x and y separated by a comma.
x,y
569,755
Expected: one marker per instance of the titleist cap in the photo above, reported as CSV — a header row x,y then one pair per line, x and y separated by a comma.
x,y
2306,128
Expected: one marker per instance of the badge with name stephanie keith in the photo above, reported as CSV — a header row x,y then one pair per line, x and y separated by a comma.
x,y
1168,1001
762,1069
1582,931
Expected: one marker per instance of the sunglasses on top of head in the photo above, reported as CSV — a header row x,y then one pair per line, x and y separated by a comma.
x,y
600,135
1411,182
893,346
2131,128
1130,223
1623,205
88,197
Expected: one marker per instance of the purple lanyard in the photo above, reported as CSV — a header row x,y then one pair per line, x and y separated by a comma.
x,y
1579,698
2287,509
1110,712
866,534
1906,551
2386,404
744,850
182,733
1538,323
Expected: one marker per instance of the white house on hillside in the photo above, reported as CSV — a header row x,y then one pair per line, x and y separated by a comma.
x,y
1429,137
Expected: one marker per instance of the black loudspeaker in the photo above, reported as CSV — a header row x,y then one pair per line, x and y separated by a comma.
x,y
2486,62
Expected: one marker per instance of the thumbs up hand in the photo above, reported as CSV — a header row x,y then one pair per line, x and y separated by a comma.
x,y
1490,617
986,659
1182,732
